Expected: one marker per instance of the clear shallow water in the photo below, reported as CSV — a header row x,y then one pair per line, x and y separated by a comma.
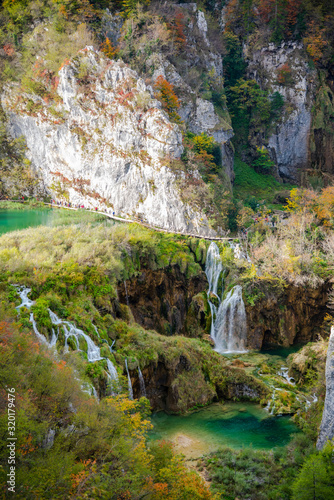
x,y
236,425
12,220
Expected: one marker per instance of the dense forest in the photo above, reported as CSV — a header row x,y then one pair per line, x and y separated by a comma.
x,y
166,232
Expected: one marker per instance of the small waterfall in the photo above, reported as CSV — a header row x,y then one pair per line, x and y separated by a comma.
x,y
93,351
23,294
129,380
126,294
70,330
272,402
142,383
96,331
38,335
112,370
284,373
228,322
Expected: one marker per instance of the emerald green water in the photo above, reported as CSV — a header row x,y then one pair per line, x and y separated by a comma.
x,y
282,352
12,220
236,425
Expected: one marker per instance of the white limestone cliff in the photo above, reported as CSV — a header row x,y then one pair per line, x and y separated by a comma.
x,y
327,423
105,142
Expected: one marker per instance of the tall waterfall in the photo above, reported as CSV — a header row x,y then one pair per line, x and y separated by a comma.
x,y
129,380
142,383
70,330
228,325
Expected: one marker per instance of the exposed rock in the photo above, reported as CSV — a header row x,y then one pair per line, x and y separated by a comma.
x,y
288,316
175,385
327,423
197,112
166,301
105,142
289,144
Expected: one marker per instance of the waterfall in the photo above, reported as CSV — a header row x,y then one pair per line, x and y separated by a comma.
x,y
228,322
284,373
213,268
230,331
96,331
23,293
38,335
129,380
142,383
93,351
70,330
126,294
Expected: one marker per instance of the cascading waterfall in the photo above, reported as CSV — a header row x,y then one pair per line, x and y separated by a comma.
x,y
126,294
230,331
70,330
284,373
129,380
228,324
142,383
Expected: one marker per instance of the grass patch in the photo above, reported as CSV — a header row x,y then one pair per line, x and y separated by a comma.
x,y
250,183
16,205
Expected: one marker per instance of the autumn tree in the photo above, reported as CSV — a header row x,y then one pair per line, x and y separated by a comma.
x,y
164,92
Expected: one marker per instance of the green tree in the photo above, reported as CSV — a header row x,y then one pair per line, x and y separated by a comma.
x,y
316,478
250,109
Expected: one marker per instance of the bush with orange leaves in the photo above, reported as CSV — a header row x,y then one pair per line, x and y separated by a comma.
x,y
164,92
172,480
108,49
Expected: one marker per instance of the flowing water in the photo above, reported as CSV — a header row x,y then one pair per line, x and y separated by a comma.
x,y
228,323
235,425
129,380
142,383
69,329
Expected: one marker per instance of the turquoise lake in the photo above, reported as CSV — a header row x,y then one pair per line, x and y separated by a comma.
x,y
12,220
236,425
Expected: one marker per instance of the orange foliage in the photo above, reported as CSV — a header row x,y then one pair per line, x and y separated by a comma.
x,y
293,9
26,446
325,205
231,13
266,8
177,27
284,74
80,477
9,49
307,200
164,91
108,49
315,41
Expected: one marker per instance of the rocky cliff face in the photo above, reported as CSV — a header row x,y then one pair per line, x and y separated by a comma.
x,y
286,317
327,423
176,384
102,140
285,69
166,301
202,58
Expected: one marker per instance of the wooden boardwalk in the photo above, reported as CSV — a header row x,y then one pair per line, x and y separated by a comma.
x,y
131,221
